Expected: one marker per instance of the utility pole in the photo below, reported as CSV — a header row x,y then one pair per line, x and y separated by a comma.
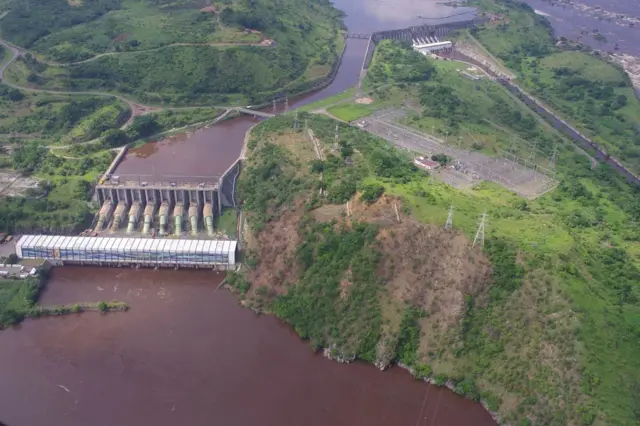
x,y
479,238
449,223
274,107
286,104
336,139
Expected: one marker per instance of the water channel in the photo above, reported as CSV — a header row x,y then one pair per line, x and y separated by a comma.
x,y
188,354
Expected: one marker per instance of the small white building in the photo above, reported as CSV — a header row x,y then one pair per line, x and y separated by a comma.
x,y
425,163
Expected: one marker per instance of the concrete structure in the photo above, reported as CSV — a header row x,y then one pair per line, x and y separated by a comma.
x,y
123,202
425,163
171,253
428,45
421,31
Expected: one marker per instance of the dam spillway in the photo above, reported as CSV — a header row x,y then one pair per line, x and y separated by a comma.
x,y
146,252
161,206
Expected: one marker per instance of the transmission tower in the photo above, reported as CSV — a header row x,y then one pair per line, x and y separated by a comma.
x,y
479,238
532,154
296,122
514,146
449,223
554,158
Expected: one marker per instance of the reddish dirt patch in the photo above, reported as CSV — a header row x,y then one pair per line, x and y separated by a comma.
x,y
277,243
119,38
425,264
137,109
209,9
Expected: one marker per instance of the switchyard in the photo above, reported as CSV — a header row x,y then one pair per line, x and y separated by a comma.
x,y
524,176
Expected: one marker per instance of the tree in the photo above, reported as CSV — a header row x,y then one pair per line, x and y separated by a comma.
x,y
115,137
142,126
15,95
371,192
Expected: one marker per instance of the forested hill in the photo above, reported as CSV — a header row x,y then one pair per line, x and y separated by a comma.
x,y
204,40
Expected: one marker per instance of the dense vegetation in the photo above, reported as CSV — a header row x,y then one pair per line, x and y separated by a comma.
x,y
308,44
57,118
17,299
62,201
594,94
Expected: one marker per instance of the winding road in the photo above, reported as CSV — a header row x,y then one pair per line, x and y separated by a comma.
x,y
129,52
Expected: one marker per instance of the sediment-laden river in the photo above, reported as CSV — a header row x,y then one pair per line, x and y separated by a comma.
x,y
187,354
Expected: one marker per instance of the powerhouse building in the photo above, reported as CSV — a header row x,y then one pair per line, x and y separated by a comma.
x,y
151,252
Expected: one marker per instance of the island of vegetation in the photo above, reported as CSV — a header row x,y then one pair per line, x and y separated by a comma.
x,y
346,242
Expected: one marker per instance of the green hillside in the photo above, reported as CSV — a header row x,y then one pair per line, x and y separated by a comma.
x,y
136,36
591,93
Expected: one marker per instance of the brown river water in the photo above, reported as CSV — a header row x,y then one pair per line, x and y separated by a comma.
x,y
187,354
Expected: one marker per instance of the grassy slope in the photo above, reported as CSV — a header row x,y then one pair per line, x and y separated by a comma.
x,y
114,26
565,293
54,118
582,87
308,44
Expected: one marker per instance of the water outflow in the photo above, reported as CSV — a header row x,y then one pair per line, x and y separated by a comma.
x,y
207,213
121,210
178,211
148,218
193,218
104,215
164,215
134,216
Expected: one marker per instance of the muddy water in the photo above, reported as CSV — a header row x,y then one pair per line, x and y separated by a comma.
x,y
186,354
202,154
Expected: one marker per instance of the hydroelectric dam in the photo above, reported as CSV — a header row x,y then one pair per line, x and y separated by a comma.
x,y
162,205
